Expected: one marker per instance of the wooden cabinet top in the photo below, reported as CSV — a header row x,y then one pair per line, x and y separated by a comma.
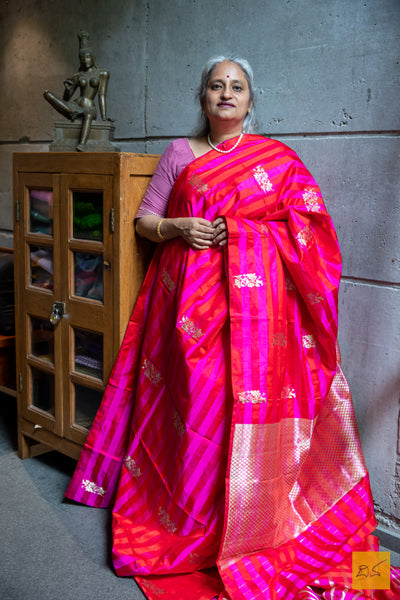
x,y
87,162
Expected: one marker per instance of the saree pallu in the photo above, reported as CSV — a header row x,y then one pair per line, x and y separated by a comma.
x,y
226,436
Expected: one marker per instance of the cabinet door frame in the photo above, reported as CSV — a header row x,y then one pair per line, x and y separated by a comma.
x,y
83,313
32,301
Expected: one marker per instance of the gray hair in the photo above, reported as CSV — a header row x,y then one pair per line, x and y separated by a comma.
x,y
203,127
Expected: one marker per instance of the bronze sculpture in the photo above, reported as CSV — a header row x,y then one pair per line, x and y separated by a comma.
x,y
90,80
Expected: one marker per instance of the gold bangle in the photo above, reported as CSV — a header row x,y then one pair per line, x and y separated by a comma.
x,y
160,235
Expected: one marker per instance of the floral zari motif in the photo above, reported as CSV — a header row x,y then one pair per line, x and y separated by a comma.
x,y
190,328
168,281
132,467
261,176
288,392
249,280
311,200
305,237
289,284
314,298
151,587
309,341
280,340
252,396
165,521
178,424
198,184
91,487
150,371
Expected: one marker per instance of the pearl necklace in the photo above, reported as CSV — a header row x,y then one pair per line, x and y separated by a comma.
x,y
224,151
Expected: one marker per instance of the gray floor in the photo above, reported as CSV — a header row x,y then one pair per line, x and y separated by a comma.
x,y
52,548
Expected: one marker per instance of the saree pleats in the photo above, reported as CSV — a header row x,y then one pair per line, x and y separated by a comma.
x,y
226,437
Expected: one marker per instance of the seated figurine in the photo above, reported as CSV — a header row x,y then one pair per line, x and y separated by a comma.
x,y
90,81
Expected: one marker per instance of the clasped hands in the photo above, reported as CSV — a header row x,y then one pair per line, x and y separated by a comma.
x,y
201,234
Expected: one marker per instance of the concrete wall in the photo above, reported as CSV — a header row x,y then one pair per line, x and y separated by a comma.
x,y
328,77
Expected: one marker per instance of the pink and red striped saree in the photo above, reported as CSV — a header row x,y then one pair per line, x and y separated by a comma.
x,y
226,437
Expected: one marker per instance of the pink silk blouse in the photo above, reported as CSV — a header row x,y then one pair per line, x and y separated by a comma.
x,y
177,155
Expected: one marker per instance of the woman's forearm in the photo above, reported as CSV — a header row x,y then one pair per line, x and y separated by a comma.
x,y
156,228
197,232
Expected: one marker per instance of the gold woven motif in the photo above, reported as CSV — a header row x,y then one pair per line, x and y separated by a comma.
x,y
91,487
150,371
165,521
252,396
309,341
261,176
249,280
168,281
178,424
312,201
190,328
305,237
132,466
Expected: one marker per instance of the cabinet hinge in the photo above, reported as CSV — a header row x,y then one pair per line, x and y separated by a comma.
x,y
112,221
17,211
20,383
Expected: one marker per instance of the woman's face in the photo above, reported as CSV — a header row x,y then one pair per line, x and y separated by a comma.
x,y
227,95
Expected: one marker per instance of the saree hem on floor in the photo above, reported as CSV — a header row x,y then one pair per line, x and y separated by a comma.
x,y
227,436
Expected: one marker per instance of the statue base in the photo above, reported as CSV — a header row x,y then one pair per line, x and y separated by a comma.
x,y
67,136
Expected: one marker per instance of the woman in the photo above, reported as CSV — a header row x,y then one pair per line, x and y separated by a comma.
x,y
90,81
226,436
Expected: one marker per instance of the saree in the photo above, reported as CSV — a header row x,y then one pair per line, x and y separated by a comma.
x,y
226,440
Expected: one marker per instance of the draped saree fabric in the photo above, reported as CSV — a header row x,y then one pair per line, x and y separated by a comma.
x,y
226,437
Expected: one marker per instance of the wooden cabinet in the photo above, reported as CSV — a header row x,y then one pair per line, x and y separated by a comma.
x,y
78,271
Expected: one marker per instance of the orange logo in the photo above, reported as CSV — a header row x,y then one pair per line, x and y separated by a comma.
x,y
371,571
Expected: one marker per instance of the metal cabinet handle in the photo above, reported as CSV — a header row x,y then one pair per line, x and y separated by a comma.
x,y
57,312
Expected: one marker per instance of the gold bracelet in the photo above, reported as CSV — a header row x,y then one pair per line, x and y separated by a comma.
x,y
160,235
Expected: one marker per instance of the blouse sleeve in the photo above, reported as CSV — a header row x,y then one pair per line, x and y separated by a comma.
x,y
176,156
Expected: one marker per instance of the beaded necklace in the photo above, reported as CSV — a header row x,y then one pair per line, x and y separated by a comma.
x,y
224,151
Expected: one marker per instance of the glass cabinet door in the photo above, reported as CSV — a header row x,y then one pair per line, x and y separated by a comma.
x,y
41,369
88,357
86,257
38,211
64,234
